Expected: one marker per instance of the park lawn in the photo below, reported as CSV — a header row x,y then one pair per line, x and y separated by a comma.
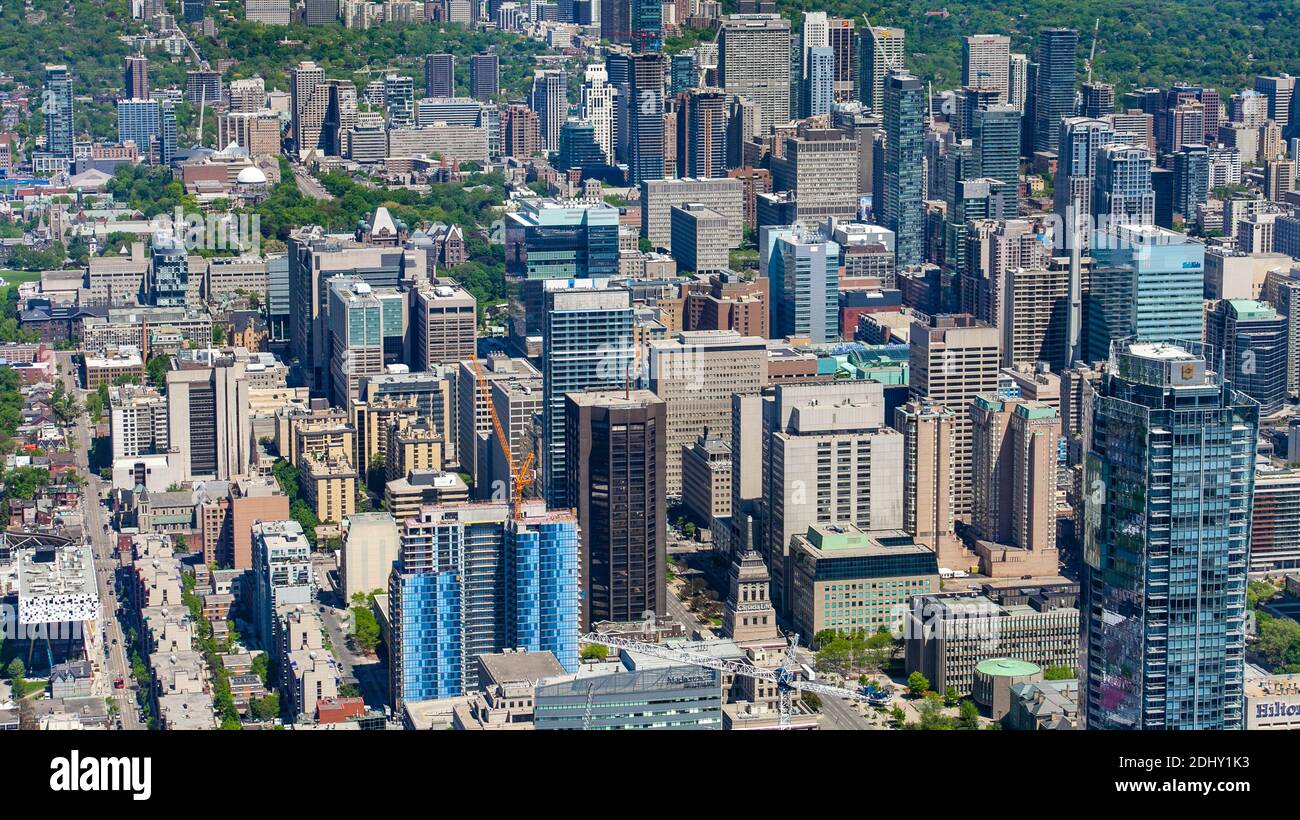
x,y
18,277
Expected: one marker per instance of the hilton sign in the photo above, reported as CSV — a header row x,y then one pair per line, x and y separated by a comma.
x,y
1277,709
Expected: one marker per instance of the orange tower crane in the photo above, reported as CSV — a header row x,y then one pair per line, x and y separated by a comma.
x,y
521,478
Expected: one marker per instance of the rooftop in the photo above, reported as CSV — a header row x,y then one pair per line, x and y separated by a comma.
x,y
1007,668
519,665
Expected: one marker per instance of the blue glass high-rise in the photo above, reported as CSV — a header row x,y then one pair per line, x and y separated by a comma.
x,y
473,580
1168,493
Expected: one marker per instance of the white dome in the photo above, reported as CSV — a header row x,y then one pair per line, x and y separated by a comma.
x,y
252,175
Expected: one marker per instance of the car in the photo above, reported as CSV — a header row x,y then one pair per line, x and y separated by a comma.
x,y
115,642
119,683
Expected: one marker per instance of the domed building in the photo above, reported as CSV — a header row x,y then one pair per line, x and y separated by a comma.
x,y
251,185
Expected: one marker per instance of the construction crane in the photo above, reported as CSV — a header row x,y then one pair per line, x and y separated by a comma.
x,y
521,478
1092,55
789,686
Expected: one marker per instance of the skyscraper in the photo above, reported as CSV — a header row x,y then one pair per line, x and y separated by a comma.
x,y
586,344
1146,282
56,105
684,75
616,440
139,121
550,101
882,51
135,77
902,208
927,430
952,360
843,41
753,62
1122,191
702,134
615,20
1080,141
1098,100
1251,338
819,81
827,457
803,267
208,420
1191,179
641,117
1279,91
440,75
647,25
696,374
340,114
986,63
1015,445
820,170
1018,90
1168,490
399,100
484,76
597,107
473,580
995,133
1054,90
306,105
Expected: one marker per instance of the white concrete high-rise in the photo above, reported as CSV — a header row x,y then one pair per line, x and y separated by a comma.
x,y
597,107
986,63
753,62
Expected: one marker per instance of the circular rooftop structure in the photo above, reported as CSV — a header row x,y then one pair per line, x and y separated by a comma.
x,y
1007,668
252,175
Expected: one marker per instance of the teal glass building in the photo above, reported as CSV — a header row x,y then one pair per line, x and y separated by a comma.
x,y
1147,283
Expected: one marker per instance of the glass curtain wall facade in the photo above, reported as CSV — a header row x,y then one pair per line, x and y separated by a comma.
x,y
1169,484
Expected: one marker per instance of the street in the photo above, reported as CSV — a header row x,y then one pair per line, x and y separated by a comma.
x,y
94,517
309,185
368,673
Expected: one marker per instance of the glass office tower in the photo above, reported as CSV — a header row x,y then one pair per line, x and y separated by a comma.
x,y
1147,282
1169,484
903,209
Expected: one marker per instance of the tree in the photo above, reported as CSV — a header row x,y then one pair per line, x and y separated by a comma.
x,y
951,697
1058,673
836,657
812,700
16,669
931,714
262,667
1279,641
365,629
156,371
917,684
180,544
286,475
267,708
94,408
968,716
594,652
897,716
